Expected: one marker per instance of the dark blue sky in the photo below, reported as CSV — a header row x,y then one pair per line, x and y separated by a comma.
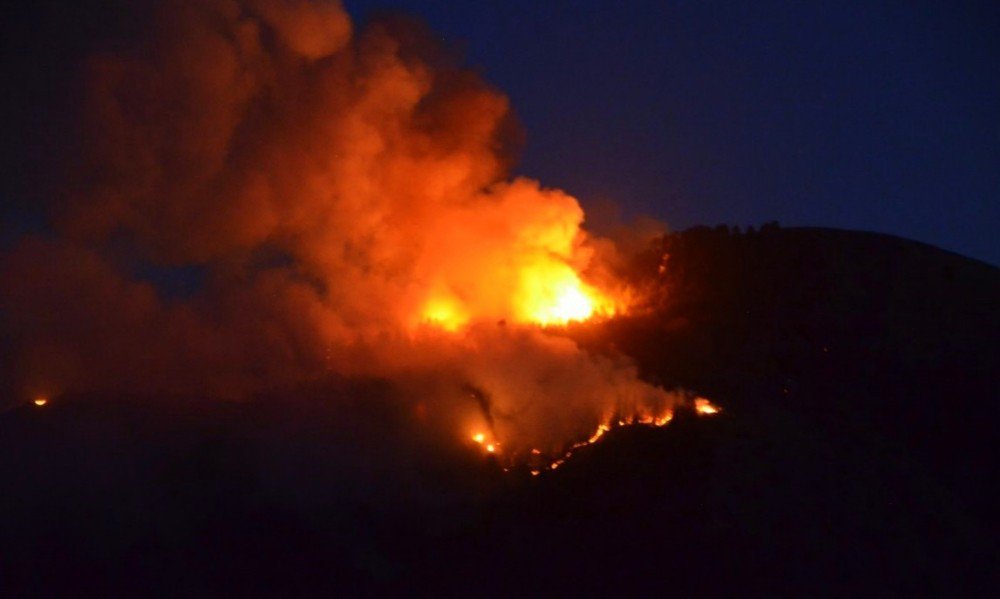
x,y
880,116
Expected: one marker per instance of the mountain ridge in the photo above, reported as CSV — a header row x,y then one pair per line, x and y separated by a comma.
x,y
842,461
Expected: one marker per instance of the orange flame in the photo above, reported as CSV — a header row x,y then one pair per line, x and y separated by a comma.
x,y
445,313
549,293
553,294
520,256
701,405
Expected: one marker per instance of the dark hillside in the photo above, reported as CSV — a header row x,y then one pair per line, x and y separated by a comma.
x,y
855,454
881,336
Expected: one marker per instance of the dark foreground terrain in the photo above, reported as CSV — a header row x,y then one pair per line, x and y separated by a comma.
x,y
856,453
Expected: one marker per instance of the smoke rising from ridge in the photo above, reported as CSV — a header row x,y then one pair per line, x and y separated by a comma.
x,y
342,198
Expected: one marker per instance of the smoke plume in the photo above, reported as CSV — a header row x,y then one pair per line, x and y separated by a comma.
x,y
339,204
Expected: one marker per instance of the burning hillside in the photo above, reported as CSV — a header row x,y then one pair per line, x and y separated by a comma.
x,y
341,201
537,461
291,318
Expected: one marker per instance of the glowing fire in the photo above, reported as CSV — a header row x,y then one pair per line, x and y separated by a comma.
x,y
40,401
549,293
445,313
521,256
701,406
489,447
553,294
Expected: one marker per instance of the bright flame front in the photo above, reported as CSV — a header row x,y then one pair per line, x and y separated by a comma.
x,y
553,294
540,461
445,313
548,293
517,254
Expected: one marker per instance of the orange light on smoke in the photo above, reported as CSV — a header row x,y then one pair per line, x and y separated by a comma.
x,y
445,313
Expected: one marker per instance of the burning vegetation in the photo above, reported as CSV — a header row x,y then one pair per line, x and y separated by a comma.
x,y
340,204
537,461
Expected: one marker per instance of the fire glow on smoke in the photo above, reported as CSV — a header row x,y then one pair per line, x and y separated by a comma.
x,y
346,196
547,292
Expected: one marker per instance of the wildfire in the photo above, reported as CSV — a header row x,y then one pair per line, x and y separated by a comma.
x,y
701,405
488,447
553,294
445,313
550,293
521,256
369,226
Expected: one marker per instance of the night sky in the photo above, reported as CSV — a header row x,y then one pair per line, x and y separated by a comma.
x,y
880,116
